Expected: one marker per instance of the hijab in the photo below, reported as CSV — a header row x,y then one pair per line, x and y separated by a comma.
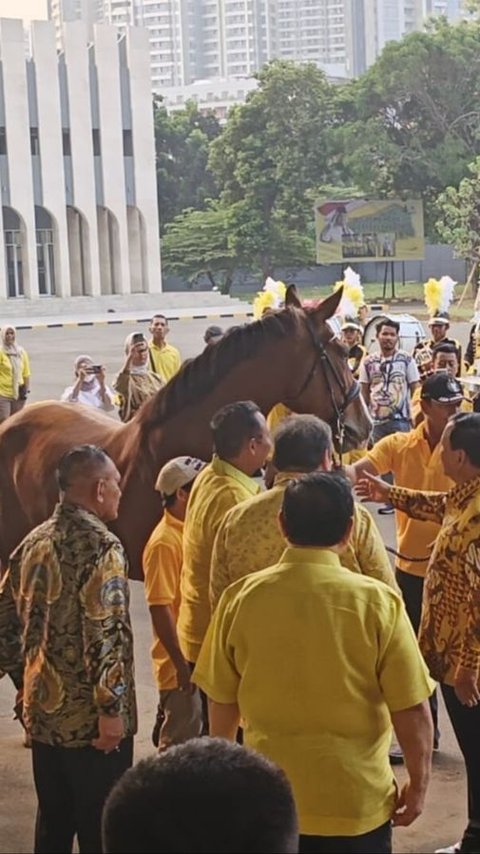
x,y
90,380
14,353
135,370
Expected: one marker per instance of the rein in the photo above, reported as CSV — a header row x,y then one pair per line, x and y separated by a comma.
x,y
330,372
393,552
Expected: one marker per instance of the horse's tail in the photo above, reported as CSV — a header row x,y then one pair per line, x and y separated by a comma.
x,y
13,520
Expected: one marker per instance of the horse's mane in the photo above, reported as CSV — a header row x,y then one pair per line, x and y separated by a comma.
x,y
198,377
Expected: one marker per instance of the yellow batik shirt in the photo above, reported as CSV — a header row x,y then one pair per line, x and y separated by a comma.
x,y
164,361
250,539
218,488
65,632
449,631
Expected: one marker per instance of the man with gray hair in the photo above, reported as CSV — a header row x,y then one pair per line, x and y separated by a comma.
x,y
250,539
66,641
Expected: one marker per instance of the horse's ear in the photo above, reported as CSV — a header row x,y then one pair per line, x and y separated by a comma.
x,y
328,306
292,300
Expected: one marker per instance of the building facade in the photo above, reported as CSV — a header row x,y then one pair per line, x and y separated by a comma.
x,y
78,206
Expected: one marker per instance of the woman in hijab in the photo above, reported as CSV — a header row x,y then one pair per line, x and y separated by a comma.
x,y
89,386
135,383
14,374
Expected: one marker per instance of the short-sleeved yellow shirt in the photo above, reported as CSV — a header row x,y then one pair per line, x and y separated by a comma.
x,y
414,466
165,361
6,374
218,488
162,566
250,539
316,657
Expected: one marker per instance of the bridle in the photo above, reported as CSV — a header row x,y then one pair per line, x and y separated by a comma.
x,y
332,378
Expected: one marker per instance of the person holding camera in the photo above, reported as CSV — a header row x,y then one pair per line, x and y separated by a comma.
x,y
14,374
89,387
135,383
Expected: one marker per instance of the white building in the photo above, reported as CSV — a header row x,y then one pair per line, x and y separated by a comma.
x,y
78,206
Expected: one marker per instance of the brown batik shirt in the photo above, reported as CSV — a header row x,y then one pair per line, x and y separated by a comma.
x,y
65,632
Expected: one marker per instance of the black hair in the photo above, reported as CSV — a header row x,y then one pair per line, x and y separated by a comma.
x,y
445,348
207,795
317,509
301,442
169,500
82,461
387,321
465,435
233,425
159,315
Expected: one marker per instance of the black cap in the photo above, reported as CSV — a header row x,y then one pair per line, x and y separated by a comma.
x,y
443,388
440,318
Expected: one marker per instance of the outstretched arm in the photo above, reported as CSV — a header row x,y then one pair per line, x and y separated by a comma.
x,y
425,506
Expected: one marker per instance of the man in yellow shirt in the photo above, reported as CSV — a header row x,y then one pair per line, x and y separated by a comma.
x,y
450,624
164,359
250,537
179,715
415,460
319,662
241,442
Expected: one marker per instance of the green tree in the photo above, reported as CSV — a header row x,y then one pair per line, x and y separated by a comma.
x,y
182,143
411,124
459,218
197,244
271,155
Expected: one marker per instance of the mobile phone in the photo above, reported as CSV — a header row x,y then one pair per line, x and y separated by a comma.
x,y
138,337
94,369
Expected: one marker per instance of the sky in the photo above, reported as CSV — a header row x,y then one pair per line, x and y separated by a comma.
x,y
27,9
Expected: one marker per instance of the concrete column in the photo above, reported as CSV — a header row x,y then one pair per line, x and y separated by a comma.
x,y
17,122
84,190
3,260
50,137
107,62
144,152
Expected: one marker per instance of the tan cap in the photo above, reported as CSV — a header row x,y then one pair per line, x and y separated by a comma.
x,y
177,473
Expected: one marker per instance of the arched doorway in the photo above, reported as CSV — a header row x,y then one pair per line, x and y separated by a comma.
x,y
109,251
78,252
14,235
137,249
46,236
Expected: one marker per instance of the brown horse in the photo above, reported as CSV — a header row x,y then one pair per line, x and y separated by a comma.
x,y
290,356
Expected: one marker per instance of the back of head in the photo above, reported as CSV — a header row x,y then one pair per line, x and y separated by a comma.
x,y
234,425
206,795
465,436
317,510
81,464
301,443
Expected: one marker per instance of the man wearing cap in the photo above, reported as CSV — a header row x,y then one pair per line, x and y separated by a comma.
x,y
213,334
415,460
351,337
439,325
179,715
450,621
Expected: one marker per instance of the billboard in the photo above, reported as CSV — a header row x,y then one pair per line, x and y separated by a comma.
x,y
369,230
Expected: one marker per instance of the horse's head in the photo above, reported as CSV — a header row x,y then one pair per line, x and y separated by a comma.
x,y
326,387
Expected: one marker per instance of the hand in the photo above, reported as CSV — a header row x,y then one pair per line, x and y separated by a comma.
x,y
101,376
184,678
408,807
82,374
372,488
110,733
466,686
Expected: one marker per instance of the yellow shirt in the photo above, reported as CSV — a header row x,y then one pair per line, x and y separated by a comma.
x,y
162,566
216,490
6,374
164,361
250,539
277,415
449,634
414,466
316,657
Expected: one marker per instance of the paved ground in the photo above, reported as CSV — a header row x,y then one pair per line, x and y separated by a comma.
x,y
52,352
